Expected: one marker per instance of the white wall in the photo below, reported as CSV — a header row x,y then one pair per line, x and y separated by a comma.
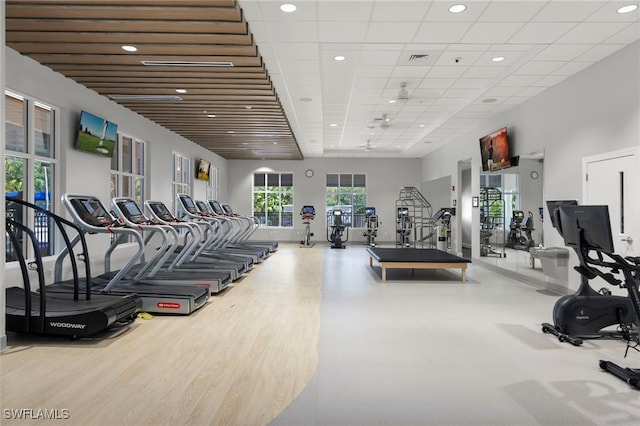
x,y
86,174
593,112
385,177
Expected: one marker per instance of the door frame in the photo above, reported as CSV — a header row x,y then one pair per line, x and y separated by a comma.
x,y
635,151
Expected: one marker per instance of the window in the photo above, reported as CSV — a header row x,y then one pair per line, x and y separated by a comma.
x,y
29,164
212,184
128,169
273,199
347,192
181,176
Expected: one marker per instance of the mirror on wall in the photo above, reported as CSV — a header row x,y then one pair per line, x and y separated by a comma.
x,y
511,213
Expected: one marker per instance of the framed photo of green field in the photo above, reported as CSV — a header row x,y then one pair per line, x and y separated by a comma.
x,y
96,135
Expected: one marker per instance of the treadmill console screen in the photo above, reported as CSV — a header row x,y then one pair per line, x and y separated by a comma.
x,y
403,212
227,209
369,211
92,211
188,205
202,206
217,208
162,212
131,211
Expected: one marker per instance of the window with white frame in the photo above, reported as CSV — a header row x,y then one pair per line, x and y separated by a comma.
x,y
181,176
30,165
273,199
128,169
347,192
212,184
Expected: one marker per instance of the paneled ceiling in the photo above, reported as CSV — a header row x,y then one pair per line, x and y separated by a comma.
x,y
414,76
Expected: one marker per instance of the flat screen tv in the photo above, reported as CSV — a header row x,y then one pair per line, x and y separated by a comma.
x,y
203,168
96,135
495,151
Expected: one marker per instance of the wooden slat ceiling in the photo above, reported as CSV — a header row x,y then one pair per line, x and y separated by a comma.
x,y
83,40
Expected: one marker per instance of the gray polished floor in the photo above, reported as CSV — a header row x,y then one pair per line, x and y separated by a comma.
x,y
429,350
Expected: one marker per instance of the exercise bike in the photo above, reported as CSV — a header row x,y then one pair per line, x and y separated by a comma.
x,y
371,220
308,213
587,313
338,231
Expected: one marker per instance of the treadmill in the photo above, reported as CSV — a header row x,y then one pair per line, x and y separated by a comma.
x,y
195,251
216,228
91,216
71,314
250,225
157,269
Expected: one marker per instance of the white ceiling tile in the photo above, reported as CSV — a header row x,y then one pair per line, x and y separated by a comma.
x,y
281,31
627,36
471,83
608,12
406,73
532,91
465,58
343,10
539,32
374,71
441,32
562,52
336,31
572,68
271,11
447,72
519,80
511,11
484,72
567,11
397,32
399,10
296,50
595,32
494,32
549,80
539,67
439,11
600,52
502,92
437,83
374,57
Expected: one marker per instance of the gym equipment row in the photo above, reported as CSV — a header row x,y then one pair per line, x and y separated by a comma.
x,y
198,254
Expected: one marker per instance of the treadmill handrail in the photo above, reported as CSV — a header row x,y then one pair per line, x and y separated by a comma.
x,y
116,230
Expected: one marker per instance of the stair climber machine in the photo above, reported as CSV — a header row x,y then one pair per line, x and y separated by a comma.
x,y
162,297
161,268
195,251
337,230
308,213
587,229
372,223
74,314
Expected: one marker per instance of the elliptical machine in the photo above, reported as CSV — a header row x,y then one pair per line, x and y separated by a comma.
x,y
516,240
371,220
587,313
337,231
308,213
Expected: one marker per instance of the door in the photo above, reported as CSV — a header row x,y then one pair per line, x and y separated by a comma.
x,y
612,181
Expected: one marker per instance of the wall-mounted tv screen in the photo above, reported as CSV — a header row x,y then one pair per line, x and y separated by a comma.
x,y
494,150
203,170
96,135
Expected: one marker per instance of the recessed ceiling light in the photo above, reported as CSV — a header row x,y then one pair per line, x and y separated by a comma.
x,y
181,90
339,58
211,115
333,125
245,143
129,48
498,59
288,7
275,143
421,125
230,131
392,101
457,8
627,9
248,107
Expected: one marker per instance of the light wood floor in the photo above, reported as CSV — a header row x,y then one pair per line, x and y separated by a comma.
x,y
241,360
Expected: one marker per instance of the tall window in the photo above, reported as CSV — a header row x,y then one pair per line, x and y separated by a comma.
x,y
273,199
347,192
30,163
128,169
181,176
212,184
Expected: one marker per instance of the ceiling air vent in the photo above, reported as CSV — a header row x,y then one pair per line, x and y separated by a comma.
x,y
422,57
186,64
145,97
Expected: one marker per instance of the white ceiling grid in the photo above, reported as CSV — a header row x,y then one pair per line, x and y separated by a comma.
x,y
458,84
